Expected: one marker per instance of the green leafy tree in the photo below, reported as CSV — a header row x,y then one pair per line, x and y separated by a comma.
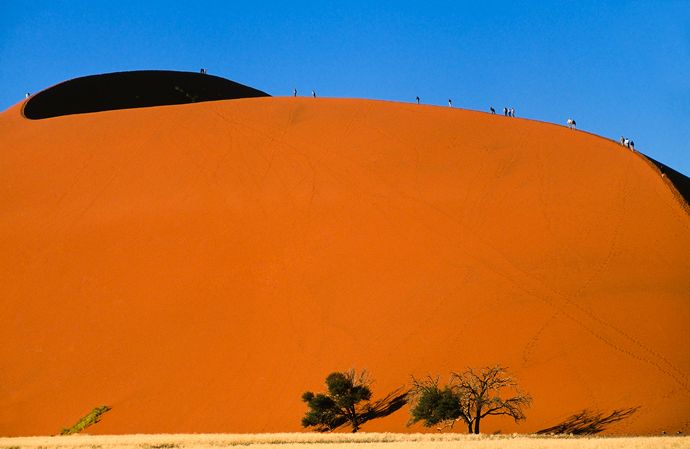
x,y
345,402
469,396
433,404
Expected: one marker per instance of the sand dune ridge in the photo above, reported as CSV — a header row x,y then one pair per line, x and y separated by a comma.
x,y
198,267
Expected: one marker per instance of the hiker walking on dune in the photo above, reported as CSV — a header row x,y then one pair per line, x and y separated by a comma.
x,y
622,140
313,94
417,100
493,111
295,92
632,145
505,111
512,112
450,103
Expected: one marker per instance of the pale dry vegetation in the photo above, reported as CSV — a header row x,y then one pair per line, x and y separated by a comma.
x,y
346,440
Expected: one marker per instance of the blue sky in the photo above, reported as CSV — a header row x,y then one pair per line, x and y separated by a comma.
x,y
616,67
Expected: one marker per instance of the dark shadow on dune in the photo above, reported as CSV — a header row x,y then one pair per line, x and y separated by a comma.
x,y
386,406
589,422
679,180
128,90
379,409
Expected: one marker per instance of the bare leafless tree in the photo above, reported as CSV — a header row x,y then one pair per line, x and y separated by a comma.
x,y
480,391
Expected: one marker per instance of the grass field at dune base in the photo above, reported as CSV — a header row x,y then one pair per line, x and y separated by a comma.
x,y
339,440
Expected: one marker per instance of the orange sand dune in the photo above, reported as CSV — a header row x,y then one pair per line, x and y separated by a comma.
x,y
198,267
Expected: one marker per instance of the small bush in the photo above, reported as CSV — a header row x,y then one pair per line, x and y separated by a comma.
x,y
86,421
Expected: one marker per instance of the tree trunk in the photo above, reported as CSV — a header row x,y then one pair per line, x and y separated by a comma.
x,y
469,427
354,420
476,424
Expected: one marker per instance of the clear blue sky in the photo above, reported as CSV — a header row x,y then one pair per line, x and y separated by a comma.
x,y
616,67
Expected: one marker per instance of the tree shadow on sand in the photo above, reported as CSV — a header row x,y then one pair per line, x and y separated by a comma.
x,y
386,406
589,422
379,409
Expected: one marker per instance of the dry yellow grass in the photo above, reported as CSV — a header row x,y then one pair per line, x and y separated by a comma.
x,y
342,441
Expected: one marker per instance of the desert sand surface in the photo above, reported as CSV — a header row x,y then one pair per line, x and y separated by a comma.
x,y
198,267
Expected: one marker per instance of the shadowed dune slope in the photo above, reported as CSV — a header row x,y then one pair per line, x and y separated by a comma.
x,y
128,90
679,180
198,267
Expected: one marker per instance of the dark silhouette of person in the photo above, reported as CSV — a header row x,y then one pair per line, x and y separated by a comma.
x,y
505,111
417,100
493,111
632,145
203,71
313,94
295,92
450,103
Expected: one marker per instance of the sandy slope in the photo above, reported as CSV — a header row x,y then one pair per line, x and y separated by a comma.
x,y
197,267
